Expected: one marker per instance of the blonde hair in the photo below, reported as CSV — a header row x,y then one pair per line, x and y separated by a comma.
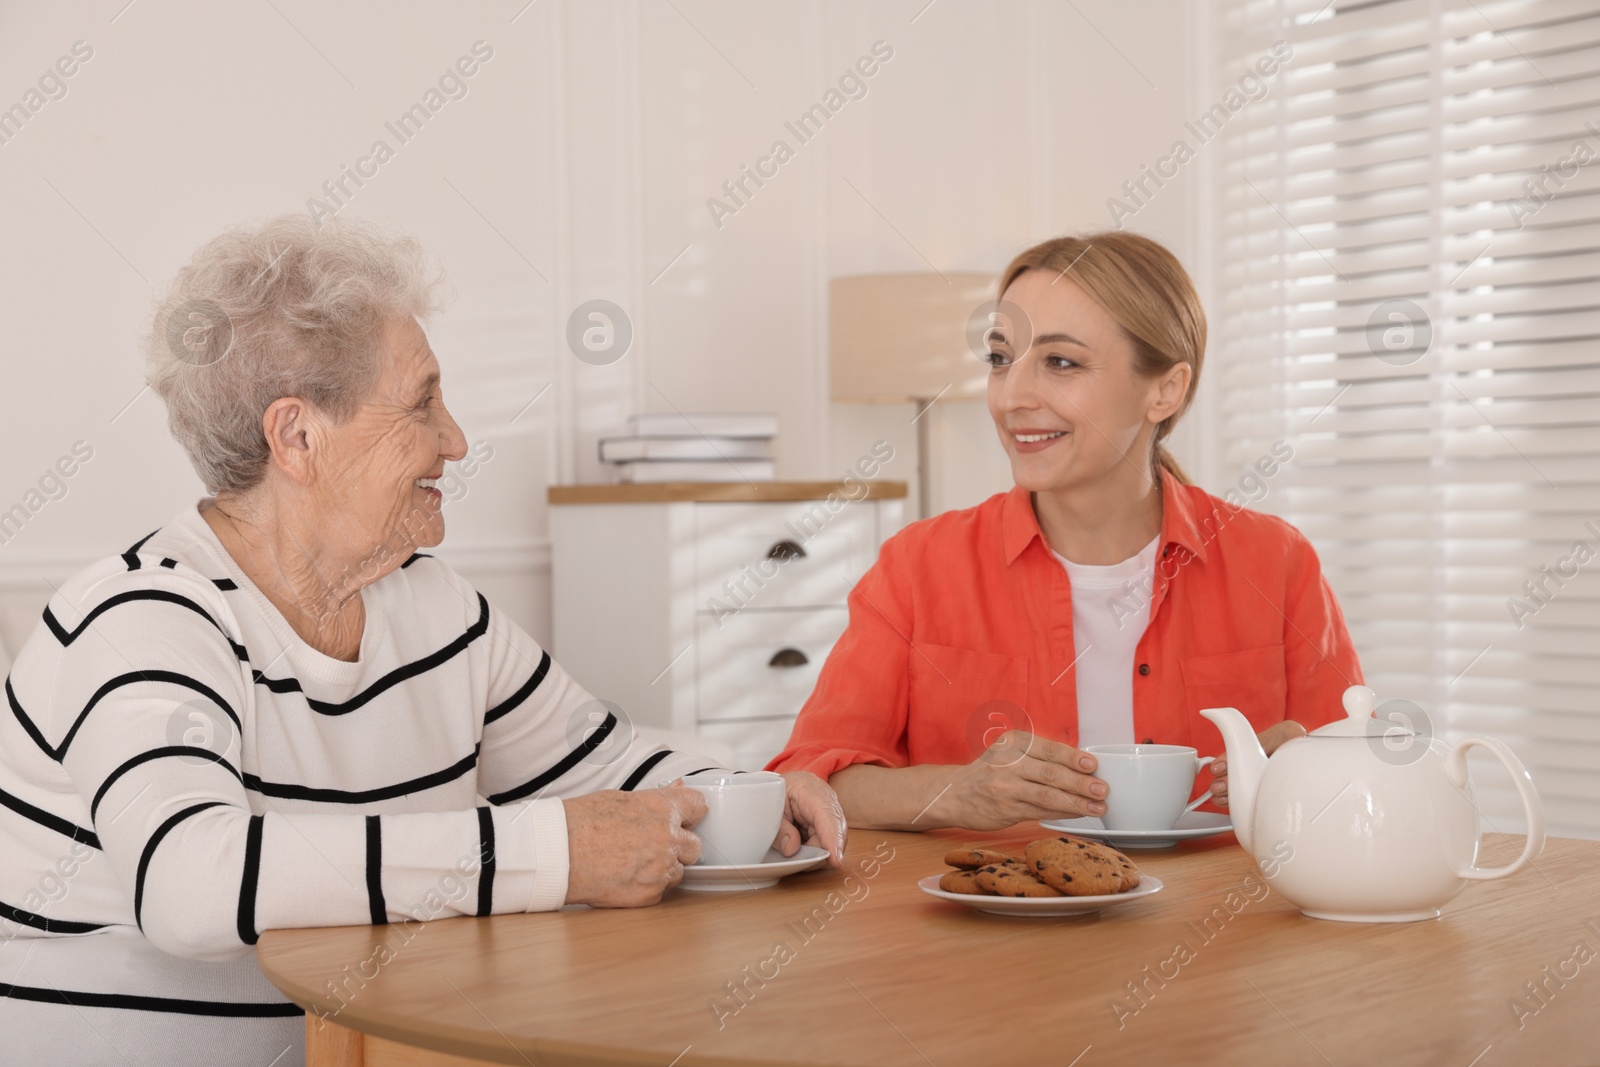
x,y
1144,288
286,308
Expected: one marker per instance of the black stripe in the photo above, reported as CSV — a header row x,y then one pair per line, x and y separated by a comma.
x,y
375,902
139,1003
154,754
569,761
27,723
131,557
393,678
168,562
44,922
485,861
643,769
227,585
414,557
150,850
522,693
172,677
53,822
134,548
292,791
247,884
66,638
700,770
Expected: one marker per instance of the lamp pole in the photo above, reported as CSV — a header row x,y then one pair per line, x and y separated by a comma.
x,y
924,466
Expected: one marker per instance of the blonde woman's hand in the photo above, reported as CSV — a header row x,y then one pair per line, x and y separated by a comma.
x,y
1271,739
812,816
1023,776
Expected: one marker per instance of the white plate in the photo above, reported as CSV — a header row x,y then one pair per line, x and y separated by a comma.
x,y
1188,827
1042,906
731,878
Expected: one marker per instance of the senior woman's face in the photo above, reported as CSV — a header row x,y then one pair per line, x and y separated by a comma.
x,y
1072,407
400,436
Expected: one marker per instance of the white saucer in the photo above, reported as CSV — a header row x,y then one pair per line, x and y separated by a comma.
x,y
1042,906
1188,827
731,878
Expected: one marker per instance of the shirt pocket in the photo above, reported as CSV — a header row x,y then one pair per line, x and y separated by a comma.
x,y
962,700
1252,680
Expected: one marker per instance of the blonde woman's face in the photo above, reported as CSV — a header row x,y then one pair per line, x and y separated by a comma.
x,y
1070,408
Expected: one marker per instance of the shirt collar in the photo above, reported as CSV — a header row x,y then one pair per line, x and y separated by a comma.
x,y
1179,526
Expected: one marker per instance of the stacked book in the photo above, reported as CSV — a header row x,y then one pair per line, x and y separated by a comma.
x,y
693,448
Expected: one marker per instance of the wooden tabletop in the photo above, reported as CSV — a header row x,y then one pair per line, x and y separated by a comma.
x,y
1216,968
720,492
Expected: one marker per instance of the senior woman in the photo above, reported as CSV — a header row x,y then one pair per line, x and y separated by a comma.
x,y
1102,600
275,712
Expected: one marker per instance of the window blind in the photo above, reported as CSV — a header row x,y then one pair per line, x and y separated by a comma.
x,y
1407,248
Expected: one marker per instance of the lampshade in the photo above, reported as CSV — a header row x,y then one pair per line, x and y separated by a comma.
x,y
894,337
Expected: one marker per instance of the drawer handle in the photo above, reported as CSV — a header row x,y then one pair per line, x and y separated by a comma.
x,y
788,657
786,550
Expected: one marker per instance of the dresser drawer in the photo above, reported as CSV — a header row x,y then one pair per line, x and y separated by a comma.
x,y
754,741
761,664
796,554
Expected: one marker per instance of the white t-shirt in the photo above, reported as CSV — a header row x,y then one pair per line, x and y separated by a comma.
x,y
1110,609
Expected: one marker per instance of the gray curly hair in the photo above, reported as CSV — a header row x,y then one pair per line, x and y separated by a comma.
x,y
288,308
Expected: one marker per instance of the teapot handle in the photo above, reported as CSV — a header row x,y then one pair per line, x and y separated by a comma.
x,y
1456,768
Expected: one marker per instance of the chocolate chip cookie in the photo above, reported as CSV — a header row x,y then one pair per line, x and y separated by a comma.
x,y
1012,880
965,882
970,859
1077,868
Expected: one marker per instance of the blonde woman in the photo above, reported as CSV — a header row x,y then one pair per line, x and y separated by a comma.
x,y
1104,599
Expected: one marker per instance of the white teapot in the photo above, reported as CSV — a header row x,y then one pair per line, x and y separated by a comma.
x,y
1364,820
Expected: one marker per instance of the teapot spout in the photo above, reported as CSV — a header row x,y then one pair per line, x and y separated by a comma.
x,y
1246,762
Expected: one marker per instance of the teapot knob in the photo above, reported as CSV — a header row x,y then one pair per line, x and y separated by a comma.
x,y
1359,700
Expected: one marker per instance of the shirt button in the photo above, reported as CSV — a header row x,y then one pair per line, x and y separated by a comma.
x,y
1149,741
1144,668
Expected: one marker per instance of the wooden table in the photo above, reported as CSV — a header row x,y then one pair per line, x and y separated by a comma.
x,y
883,974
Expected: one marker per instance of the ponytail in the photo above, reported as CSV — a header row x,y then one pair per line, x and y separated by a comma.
x,y
1163,459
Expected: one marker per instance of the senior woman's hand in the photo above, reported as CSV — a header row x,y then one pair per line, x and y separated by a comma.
x,y
813,817
626,849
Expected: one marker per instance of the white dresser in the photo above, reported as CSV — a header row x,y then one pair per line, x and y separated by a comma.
x,y
710,608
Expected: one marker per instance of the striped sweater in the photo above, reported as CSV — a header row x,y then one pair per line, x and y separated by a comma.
x,y
179,772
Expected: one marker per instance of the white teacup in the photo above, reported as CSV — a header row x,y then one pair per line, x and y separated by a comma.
x,y
743,813
1148,785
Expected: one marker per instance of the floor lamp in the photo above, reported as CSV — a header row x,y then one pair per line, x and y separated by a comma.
x,y
894,338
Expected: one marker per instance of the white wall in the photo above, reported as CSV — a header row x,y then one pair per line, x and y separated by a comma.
x,y
577,166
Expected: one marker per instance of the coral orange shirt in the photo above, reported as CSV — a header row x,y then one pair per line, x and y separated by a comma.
x,y
963,628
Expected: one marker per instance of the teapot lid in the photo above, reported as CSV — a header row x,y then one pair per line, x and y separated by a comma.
x,y
1359,701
